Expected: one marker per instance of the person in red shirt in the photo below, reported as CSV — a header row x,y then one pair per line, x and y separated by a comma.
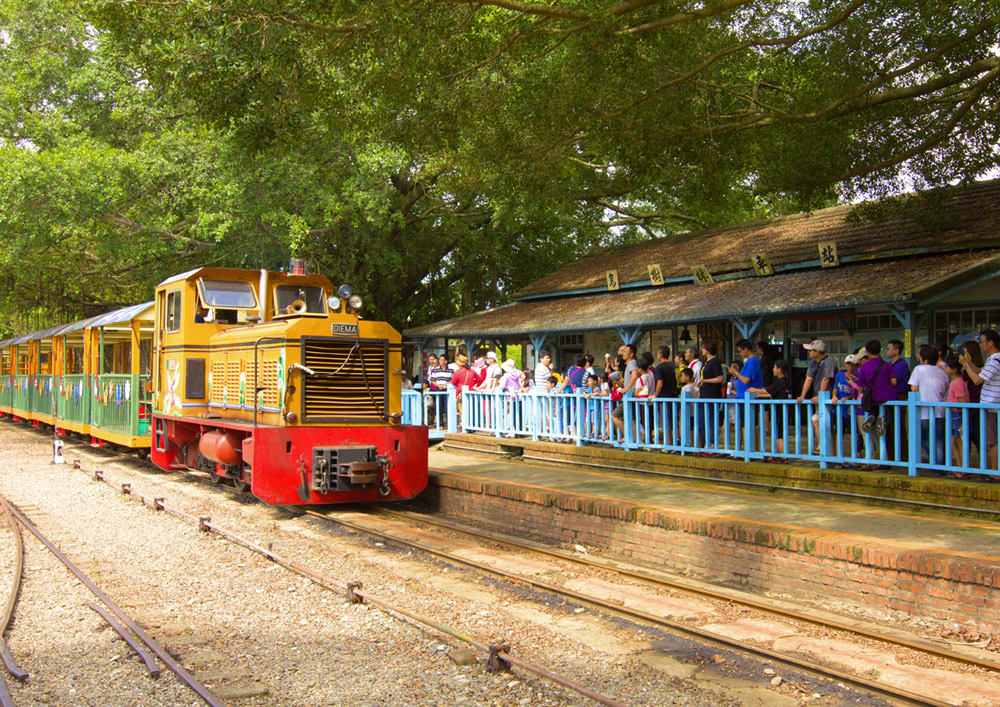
x,y
463,377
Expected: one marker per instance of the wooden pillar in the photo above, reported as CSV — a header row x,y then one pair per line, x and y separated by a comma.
x,y
135,348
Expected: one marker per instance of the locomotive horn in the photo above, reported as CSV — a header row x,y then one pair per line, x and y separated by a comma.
x,y
296,307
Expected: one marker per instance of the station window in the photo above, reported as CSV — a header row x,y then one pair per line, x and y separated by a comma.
x,y
286,295
876,322
227,294
959,324
173,311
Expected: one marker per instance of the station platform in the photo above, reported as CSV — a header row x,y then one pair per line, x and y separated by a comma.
x,y
881,559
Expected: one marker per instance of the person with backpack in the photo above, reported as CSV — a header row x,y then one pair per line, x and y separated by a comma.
x,y
574,377
875,382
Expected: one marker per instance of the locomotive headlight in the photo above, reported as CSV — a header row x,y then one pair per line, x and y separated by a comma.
x,y
345,292
355,302
333,303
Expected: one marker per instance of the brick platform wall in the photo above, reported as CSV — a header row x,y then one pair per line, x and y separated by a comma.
x,y
754,557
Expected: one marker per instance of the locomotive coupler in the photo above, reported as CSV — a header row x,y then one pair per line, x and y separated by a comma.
x,y
349,468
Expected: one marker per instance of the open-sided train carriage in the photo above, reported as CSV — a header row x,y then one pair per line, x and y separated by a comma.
x,y
90,377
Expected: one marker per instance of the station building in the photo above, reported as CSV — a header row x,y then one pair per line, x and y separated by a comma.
x,y
930,272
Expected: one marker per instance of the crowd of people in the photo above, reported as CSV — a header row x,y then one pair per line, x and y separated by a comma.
x,y
970,374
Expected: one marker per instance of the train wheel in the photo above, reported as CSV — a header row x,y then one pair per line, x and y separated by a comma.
x,y
240,485
214,477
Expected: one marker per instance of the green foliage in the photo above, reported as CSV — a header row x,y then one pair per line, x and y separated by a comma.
x,y
439,155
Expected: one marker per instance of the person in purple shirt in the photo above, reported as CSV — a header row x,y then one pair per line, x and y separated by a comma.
x,y
876,374
901,373
900,368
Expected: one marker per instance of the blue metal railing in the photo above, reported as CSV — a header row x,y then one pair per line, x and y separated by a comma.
x,y
434,409
951,439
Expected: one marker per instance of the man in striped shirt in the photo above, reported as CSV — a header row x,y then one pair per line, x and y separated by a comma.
x,y
989,376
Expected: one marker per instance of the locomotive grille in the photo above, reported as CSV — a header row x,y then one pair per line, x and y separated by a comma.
x,y
337,393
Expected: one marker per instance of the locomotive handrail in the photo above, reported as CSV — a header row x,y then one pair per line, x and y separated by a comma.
x,y
256,374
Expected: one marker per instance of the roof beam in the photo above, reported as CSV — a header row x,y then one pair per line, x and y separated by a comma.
x,y
746,327
629,336
538,341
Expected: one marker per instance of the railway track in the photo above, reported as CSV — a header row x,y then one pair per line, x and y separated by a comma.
x,y
809,667
8,614
129,631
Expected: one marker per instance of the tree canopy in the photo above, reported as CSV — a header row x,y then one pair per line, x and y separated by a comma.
x,y
438,154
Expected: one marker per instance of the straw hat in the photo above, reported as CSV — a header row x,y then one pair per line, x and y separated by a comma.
x,y
462,360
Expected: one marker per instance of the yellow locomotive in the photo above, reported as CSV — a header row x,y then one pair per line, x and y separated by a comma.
x,y
274,381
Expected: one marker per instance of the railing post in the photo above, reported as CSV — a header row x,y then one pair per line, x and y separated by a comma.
x,y
684,422
452,403
747,425
498,423
915,433
823,412
579,401
536,416
627,420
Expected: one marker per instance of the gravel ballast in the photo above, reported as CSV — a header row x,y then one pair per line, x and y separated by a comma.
x,y
258,634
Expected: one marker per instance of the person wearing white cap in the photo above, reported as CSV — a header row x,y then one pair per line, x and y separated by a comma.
x,y
493,373
821,372
846,388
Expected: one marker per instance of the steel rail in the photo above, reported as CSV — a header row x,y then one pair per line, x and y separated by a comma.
x,y
636,614
353,589
15,591
738,482
5,698
204,693
151,665
717,595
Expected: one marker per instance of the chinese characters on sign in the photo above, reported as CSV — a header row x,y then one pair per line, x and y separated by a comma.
x,y
612,276
701,275
761,265
907,343
655,274
828,254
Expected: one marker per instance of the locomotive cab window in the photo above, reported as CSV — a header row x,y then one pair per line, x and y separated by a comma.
x,y
224,299
227,294
172,312
299,299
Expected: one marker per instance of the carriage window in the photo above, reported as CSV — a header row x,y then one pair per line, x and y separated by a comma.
x,y
287,295
174,311
227,294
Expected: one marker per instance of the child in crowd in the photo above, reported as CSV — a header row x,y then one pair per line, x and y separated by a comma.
x,y
688,386
734,367
591,414
958,392
527,381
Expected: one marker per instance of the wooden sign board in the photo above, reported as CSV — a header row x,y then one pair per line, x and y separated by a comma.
x,y
701,275
656,274
761,265
828,254
613,283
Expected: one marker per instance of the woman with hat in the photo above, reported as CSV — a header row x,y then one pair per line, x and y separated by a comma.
x,y
511,383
